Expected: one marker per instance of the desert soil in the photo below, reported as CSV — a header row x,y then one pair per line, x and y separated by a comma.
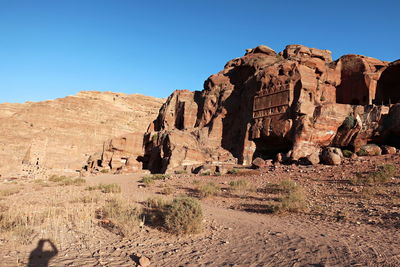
x,y
343,225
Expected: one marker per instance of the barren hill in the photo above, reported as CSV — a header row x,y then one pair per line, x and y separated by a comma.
x,y
60,134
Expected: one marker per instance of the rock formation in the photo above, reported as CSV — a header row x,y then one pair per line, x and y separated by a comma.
x,y
58,136
294,102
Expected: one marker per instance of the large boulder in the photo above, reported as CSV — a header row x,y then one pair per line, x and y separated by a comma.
x,y
371,150
332,156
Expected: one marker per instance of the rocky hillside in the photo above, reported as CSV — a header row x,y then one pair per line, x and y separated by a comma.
x,y
59,135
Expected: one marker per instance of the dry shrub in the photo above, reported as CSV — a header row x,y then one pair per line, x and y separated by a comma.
x,y
63,180
183,216
167,190
292,197
147,181
9,191
293,201
380,176
240,186
122,215
207,189
106,188
233,171
150,179
155,203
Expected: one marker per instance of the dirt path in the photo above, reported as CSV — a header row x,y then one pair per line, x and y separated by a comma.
x,y
231,238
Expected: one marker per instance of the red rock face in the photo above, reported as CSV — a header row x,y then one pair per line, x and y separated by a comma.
x,y
294,102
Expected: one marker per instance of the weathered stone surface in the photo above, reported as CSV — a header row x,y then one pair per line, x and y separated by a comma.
x,y
372,149
332,156
57,136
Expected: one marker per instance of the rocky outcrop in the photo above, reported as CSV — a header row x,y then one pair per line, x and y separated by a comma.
x,y
58,136
294,102
119,154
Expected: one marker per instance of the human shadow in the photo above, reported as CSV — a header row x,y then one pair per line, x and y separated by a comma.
x,y
40,257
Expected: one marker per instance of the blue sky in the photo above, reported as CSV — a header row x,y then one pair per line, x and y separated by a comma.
x,y
51,49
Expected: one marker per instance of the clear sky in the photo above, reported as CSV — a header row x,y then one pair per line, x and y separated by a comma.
x,y
54,48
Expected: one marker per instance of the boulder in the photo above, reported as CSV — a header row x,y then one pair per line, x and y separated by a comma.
x,y
371,150
313,159
258,163
331,156
388,150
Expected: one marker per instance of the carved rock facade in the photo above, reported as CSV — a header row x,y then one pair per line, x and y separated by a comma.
x,y
295,102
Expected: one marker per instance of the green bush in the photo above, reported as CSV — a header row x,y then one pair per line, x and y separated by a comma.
x,y
347,153
362,152
233,171
349,122
183,216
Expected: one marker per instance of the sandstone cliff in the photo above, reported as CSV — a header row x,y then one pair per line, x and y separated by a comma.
x,y
58,136
293,102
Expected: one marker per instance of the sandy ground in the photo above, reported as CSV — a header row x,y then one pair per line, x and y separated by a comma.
x,y
345,224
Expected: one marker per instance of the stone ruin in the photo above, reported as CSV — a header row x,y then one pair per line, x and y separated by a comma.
x,y
293,104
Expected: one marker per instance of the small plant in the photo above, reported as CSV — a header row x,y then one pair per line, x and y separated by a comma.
x,y
180,172
240,186
56,178
379,176
154,137
167,190
322,98
347,153
124,217
104,171
288,186
9,191
155,203
147,181
208,189
206,173
349,122
362,152
150,179
293,201
233,171
106,188
63,180
183,216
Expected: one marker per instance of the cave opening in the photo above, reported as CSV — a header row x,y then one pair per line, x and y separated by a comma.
x,y
353,89
388,87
